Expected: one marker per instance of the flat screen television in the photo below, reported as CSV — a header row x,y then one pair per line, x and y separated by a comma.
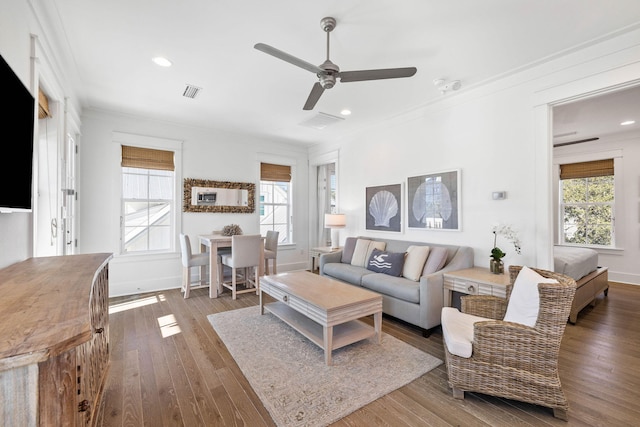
x,y
17,126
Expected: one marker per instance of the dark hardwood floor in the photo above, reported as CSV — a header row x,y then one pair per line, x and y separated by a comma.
x,y
169,368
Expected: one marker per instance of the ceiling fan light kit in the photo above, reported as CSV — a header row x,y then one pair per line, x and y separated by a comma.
x,y
328,72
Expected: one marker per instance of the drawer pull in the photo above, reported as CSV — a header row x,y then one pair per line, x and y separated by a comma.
x,y
285,298
471,288
99,330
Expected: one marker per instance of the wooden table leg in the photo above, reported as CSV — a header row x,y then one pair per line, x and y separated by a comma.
x,y
447,298
214,284
261,304
328,343
377,324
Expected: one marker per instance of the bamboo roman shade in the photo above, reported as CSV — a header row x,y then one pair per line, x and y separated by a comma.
x,y
43,105
271,172
587,169
147,158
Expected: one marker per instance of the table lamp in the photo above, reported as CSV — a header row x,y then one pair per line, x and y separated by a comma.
x,y
335,222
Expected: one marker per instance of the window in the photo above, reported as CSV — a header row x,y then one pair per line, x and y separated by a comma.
x,y
148,182
587,202
275,201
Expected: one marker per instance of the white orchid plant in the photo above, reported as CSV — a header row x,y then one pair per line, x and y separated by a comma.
x,y
510,234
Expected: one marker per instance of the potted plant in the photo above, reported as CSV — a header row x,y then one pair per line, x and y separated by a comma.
x,y
496,265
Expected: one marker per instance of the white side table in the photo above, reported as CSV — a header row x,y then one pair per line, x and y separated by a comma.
x,y
316,252
475,281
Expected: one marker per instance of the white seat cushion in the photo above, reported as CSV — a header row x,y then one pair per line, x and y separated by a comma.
x,y
269,254
524,302
457,331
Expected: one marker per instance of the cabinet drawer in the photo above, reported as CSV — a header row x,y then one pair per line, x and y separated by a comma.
x,y
276,293
464,286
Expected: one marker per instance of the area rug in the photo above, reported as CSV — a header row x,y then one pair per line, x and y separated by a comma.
x,y
289,374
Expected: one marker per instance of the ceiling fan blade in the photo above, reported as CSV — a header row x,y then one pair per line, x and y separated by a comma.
x,y
288,58
314,96
387,73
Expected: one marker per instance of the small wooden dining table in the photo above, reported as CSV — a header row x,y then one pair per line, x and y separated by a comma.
x,y
210,243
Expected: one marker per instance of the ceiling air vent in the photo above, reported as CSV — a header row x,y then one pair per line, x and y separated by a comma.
x,y
191,91
321,121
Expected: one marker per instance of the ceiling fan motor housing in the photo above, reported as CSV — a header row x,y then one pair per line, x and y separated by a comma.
x,y
328,77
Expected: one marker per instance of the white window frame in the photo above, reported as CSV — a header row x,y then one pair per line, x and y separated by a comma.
x,y
144,141
285,161
618,211
288,206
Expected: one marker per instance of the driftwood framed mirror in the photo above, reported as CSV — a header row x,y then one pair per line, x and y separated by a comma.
x,y
201,195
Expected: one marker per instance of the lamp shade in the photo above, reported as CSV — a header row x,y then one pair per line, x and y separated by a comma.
x,y
335,220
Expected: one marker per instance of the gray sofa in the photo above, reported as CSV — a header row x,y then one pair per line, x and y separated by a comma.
x,y
416,302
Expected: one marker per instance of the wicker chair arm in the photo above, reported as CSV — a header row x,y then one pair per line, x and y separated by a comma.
x,y
486,306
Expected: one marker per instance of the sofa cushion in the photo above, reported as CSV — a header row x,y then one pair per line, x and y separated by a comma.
x,y
347,250
346,272
436,260
397,287
414,262
390,263
363,250
524,302
457,331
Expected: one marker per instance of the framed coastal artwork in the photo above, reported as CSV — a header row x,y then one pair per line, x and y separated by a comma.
x,y
433,201
383,208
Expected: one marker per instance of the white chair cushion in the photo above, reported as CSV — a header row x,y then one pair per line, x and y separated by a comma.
x,y
457,331
414,262
524,302
199,259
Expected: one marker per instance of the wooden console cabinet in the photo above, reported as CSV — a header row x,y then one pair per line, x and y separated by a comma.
x,y
54,340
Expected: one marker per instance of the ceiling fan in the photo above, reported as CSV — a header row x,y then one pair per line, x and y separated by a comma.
x,y
327,72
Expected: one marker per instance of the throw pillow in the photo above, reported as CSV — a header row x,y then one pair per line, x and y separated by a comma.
x,y
386,262
363,250
414,262
436,260
524,302
347,250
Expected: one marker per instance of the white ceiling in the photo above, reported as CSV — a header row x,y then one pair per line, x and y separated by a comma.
x,y
110,45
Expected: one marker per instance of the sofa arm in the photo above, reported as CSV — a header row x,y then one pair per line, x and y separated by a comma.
x,y
329,258
432,286
431,298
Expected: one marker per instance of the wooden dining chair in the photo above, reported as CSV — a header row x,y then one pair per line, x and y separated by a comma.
x,y
244,257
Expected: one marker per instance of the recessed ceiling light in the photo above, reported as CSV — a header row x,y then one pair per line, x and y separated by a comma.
x,y
345,112
161,61
627,122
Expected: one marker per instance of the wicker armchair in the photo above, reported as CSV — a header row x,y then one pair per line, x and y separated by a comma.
x,y
511,360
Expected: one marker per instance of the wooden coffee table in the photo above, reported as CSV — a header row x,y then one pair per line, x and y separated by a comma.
x,y
324,310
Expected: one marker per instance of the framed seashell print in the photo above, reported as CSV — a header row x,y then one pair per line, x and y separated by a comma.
x,y
433,201
384,208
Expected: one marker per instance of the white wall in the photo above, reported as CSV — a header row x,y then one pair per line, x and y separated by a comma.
x,y
499,136
206,154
